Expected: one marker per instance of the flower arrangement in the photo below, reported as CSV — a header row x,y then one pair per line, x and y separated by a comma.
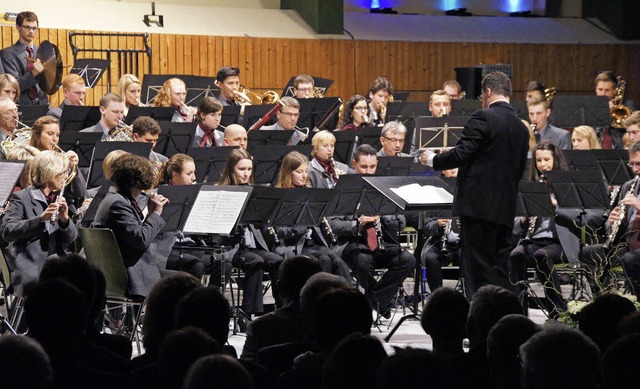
x,y
574,307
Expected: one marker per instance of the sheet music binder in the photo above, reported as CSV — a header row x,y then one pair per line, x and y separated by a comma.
x,y
96,175
383,185
210,162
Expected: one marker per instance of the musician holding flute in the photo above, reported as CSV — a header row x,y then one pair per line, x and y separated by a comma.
x,y
36,223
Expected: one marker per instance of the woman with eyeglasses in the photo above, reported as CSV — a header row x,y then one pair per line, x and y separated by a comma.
x,y
36,223
356,114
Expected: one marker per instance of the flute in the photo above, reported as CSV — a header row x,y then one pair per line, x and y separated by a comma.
x,y
54,215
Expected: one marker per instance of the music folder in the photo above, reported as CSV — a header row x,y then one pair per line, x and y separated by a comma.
x,y
217,209
10,172
414,193
96,175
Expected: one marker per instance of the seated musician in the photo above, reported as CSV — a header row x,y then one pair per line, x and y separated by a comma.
x,y
288,116
147,130
208,118
235,135
606,84
379,93
119,211
539,112
8,121
111,114
585,138
356,114
130,88
541,245
74,90
440,250
439,106
632,124
228,80
622,227
534,90
9,87
249,249
370,242
303,86
173,93
36,223
305,240
453,89
45,136
392,138
323,169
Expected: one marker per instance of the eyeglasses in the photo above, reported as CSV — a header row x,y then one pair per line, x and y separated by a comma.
x,y
393,140
290,114
11,113
305,89
634,164
361,108
30,28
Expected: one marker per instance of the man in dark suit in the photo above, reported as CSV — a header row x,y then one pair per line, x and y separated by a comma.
x,y
112,112
20,61
492,156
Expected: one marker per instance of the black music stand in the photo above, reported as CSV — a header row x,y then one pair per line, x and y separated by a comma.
x,y
304,207
231,115
404,111
583,160
267,161
520,108
10,172
400,96
210,162
320,85
614,165
90,214
96,175
253,113
175,138
313,110
30,113
198,87
370,136
268,138
572,111
464,107
358,197
76,118
533,201
345,145
160,114
176,211
439,132
90,69
394,166
80,142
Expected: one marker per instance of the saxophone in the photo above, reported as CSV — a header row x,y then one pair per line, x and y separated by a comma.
x,y
623,211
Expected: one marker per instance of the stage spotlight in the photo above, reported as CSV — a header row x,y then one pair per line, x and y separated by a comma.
x,y
458,12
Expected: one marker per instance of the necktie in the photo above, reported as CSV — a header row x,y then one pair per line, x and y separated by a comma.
x,y
207,139
33,91
536,135
136,207
634,239
607,140
372,237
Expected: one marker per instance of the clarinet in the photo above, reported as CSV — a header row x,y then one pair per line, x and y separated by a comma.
x,y
329,231
531,221
445,237
378,225
623,211
332,162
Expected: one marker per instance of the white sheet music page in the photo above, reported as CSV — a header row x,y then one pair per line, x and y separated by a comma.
x,y
428,194
215,212
9,174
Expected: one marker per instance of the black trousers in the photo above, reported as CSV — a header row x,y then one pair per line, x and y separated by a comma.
x,y
433,259
486,246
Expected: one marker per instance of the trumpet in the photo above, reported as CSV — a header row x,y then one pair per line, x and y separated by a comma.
x,y
140,103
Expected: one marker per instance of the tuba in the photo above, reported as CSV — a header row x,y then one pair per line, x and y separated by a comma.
x,y
619,112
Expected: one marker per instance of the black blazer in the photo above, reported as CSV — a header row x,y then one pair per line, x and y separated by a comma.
x,y
14,60
492,156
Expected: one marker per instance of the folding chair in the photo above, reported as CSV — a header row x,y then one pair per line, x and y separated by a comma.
x,y
14,304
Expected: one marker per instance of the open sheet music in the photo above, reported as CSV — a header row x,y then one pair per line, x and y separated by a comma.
x,y
215,212
427,194
9,174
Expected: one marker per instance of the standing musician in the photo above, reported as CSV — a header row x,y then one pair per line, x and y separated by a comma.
x,y
303,86
323,169
74,91
379,93
392,138
539,112
8,120
208,118
305,240
147,130
356,114
119,211
235,135
623,229
111,112
9,87
250,251
453,89
228,80
130,89
36,222
20,60
173,93
371,242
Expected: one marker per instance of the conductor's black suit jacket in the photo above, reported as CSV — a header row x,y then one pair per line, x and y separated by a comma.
x,y
492,156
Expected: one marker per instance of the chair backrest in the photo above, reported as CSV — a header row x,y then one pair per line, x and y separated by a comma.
x,y
101,250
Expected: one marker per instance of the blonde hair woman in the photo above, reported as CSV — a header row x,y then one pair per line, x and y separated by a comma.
x,y
130,89
584,138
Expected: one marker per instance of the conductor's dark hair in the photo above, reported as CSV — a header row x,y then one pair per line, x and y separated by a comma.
x,y
132,171
226,71
498,82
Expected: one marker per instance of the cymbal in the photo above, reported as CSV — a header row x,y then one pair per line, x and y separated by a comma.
x,y
49,55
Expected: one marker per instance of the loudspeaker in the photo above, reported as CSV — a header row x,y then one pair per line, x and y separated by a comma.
x,y
324,16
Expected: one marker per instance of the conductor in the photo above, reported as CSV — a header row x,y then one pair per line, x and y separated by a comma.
x,y
491,155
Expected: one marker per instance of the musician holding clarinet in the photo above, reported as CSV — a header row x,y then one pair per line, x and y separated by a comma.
x,y
36,223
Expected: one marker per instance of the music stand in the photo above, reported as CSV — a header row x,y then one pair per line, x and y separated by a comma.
x,y
90,69
96,175
268,138
614,165
253,113
370,136
10,172
267,161
439,132
175,138
357,197
230,115
521,109
404,111
464,107
176,211
80,142
572,111
210,162
304,206
313,110
400,96
583,160
90,214
394,166
160,114
345,145
76,118
198,87
262,205
320,86
30,113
